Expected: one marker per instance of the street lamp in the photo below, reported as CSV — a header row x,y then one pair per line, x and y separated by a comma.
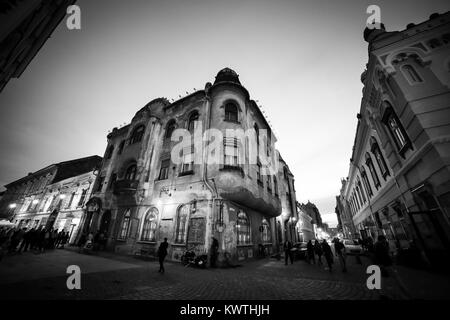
x,y
12,205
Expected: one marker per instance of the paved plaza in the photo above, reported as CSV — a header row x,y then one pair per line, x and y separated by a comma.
x,y
108,276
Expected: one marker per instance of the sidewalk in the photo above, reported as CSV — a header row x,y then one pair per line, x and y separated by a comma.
x,y
421,284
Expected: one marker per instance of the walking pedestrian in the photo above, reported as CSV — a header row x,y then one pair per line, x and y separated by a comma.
x,y
382,256
318,250
328,254
339,250
288,252
310,252
162,253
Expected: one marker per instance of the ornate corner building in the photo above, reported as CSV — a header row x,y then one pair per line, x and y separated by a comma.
x,y
143,196
399,179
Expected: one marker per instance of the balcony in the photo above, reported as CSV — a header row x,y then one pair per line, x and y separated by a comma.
x,y
125,186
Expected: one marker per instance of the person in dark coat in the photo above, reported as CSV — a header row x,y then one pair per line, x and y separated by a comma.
x,y
318,250
328,254
162,253
214,252
382,256
339,250
310,252
288,252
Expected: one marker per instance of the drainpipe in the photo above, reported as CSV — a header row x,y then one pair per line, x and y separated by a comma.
x,y
205,156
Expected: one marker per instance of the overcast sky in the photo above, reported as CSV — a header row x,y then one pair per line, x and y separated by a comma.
x,y
301,60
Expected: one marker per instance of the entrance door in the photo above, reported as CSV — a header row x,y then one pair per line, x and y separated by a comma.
x,y
51,219
104,224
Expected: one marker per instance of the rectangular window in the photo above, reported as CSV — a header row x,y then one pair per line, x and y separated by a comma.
x,y
231,152
164,172
71,200
269,183
82,198
258,174
396,130
188,160
101,180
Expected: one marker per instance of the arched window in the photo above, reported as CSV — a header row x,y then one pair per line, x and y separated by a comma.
x,y
170,129
265,232
396,129
243,229
231,112
366,182
109,152
371,167
131,172
375,148
125,225
361,190
137,134
411,74
182,219
257,138
121,145
192,119
149,226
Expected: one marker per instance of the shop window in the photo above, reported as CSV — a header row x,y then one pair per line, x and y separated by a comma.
x,y
149,226
125,225
181,226
265,232
243,229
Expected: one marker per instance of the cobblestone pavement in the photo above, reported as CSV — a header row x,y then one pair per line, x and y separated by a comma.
x,y
118,277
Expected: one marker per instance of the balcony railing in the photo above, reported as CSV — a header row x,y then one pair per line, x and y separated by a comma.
x,y
125,186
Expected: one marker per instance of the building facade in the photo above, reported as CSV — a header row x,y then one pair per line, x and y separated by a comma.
x,y
24,28
52,197
399,180
152,186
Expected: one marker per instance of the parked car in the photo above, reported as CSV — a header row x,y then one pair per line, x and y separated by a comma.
x,y
352,246
300,250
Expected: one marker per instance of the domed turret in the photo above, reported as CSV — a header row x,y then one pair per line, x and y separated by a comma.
x,y
371,34
227,75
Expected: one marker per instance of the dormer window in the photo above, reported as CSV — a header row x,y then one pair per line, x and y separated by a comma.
x,y
231,112
170,129
137,134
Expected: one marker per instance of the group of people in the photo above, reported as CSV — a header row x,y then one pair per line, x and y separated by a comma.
x,y
324,249
317,248
18,240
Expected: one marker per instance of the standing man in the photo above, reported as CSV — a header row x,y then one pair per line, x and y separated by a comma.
x,y
162,253
287,252
339,250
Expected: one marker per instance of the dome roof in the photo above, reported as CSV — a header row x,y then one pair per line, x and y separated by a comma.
x,y
227,75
